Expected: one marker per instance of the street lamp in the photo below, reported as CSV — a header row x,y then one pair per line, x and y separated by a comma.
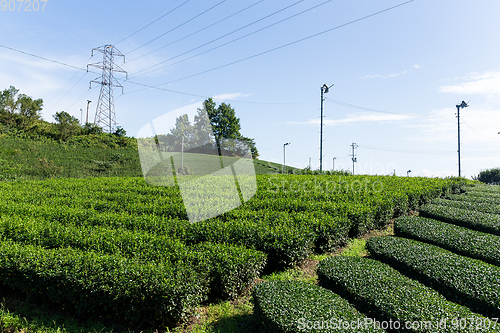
x,y
324,90
333,166
408,173
462,105
284,166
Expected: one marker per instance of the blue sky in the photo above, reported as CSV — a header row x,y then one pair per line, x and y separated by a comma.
x,y
397,75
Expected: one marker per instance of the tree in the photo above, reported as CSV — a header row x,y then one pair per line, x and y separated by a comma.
x,y
489,176
66,124
226,125
120,131
91,128
19,109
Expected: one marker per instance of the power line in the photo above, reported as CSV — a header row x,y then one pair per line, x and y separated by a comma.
x,y
408,151
121,40
180,25
152,23
234,40
216,39
76,73
202,29
288,44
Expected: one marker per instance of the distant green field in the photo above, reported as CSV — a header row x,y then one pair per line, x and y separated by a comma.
x,y
29,159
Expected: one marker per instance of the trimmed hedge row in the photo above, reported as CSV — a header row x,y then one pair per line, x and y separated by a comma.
x,y
469,205
293,306
104,285
378,289
467,242
484,222
467,281
230,268
470,198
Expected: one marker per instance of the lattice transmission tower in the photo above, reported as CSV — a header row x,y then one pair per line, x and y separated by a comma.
x,y
105,116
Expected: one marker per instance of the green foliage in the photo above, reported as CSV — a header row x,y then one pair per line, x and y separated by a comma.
x,y
463,280
457,239
471,219
292,306
376,288
19,110
489,176
103,285
471,205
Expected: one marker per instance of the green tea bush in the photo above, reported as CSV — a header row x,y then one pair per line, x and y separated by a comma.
x,y
469,205
463,280
484,222
471,198
103,285
467,242
383,292
293,306
230,268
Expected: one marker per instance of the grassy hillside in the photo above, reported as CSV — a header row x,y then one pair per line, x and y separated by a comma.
x,y
25,158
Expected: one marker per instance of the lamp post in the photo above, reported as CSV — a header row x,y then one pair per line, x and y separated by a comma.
x,y
284,166
333,165
408,173
87,119
462,105
324,90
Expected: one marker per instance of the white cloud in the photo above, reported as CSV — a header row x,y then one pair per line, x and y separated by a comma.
x,y
357,118
478,124
416,66
223,97
486,84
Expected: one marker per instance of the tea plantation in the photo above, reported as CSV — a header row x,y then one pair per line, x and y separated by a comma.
x,y
440,272
118,250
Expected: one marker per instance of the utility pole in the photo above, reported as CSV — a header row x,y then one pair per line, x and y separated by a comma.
x,y
324,90
309,163
354,159
105,116
88,102
462,105
333,165
284,165
81,116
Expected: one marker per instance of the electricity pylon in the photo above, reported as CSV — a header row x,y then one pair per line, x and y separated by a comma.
x,y
105,116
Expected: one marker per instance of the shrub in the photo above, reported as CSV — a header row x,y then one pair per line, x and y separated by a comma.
x,y
484,222
470,243
230,268
469,205
489,176
376,288
103,285
470,198
463,280
293,306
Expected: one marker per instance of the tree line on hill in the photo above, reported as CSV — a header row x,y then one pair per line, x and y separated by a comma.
x,y
215,130
22,115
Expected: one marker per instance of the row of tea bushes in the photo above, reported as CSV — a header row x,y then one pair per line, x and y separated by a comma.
x,y
293,306
472,205
484,222
466,281
467,242
94,284
383,292
230,268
